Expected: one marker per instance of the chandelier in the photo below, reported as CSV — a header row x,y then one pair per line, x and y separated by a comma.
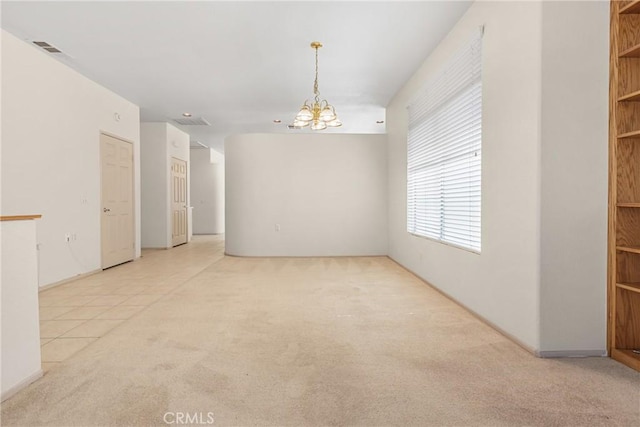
x,y
320,114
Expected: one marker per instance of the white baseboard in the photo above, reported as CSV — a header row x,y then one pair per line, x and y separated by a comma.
x,y
571,353
492,325
70,279
22,384
535,352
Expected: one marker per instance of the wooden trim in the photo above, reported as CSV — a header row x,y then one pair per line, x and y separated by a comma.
x,y
19,217
633,7
628,205
613,137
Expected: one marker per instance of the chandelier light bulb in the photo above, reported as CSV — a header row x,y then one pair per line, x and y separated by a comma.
x,y
318,125
305,113
327,114
301,123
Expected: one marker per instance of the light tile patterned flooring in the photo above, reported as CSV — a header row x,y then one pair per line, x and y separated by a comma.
x,y
77,313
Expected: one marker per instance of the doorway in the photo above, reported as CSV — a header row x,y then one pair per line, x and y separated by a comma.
x,y
117,218
178,202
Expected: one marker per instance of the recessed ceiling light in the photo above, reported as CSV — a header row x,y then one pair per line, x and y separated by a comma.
x,y
277,121
379,122
186,114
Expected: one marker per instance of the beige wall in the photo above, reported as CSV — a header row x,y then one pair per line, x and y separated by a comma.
x,y
207,191
541,274
19,306
51,123
159,141
326,192
575,87
502,283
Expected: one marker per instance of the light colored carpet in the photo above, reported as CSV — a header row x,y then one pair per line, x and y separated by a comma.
x,y
317,341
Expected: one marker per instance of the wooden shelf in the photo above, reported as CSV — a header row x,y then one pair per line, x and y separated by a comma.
x,y
623,325
634,134
633,7
632,249
632,52
632,97
633,287
628,357
19,217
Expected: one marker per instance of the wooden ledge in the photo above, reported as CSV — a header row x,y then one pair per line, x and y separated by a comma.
x,y
19,217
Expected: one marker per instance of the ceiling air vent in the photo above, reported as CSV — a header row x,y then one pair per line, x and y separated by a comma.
x,y
46,46
197,144
192,121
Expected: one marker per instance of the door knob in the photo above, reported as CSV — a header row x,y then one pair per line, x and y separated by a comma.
x,y
106,210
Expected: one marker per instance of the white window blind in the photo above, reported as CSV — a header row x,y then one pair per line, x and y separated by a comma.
x,y
444,152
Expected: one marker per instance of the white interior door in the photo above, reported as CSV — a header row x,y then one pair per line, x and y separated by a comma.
x,y
178,201
117,230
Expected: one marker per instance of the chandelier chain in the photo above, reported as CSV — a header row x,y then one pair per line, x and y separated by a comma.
x,y
315,82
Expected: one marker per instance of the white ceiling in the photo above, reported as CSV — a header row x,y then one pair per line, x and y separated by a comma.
x,y
238,64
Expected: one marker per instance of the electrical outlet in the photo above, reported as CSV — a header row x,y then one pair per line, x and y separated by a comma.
x,y
67,237
277,227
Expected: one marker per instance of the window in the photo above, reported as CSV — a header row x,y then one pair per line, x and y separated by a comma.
x,y
444,153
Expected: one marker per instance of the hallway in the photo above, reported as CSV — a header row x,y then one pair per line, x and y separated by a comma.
x,y
75,314
301,341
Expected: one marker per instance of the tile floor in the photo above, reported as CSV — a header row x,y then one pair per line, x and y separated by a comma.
x,y
77,313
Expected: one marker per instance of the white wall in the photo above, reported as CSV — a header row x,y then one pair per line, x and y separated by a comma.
x,y
575,74
541,276
326,192
502,283
154,164
51,122
207,191
159,142
20,326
